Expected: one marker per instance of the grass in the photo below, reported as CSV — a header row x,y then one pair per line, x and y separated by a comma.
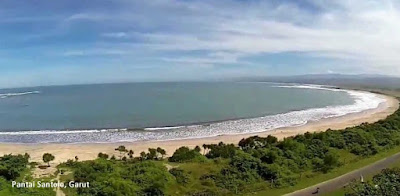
x,y
339,192
352,164
66,179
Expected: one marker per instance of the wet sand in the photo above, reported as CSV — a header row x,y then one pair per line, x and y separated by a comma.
x,y
88,151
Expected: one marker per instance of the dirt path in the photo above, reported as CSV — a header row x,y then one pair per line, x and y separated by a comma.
x,y
58,190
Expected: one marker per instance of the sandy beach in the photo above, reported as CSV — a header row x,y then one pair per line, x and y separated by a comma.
x,y
87,151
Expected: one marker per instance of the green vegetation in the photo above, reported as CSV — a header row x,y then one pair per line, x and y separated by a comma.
x,y
385,183
256,165
14,168
184,154
130,177
47,157
351,163
122,151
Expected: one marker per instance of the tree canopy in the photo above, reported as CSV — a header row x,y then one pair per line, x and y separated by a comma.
x,y
47,157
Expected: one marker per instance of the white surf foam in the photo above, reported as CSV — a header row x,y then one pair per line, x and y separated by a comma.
x,y
162,128
362,101
48,132
6,95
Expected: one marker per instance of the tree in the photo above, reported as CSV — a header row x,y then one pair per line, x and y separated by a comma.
x,y
244,162
197,148
331,160
269,155
220,150
184,154
47,157
122,150
27,156
269,172
204,148
162,152
152,155
102,156
257,142
143,156
271,139
130,154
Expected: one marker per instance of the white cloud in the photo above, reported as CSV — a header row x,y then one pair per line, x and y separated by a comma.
x,y
363,31
93,52
205,32
210,59
115,35
86,16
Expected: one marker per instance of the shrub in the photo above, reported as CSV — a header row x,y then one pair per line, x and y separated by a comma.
x,y
184,154
181,176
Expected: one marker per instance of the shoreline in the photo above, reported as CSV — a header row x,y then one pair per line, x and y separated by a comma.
x,y
88,151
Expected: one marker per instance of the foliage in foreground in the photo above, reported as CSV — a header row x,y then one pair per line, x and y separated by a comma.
x,y
386,183
12,168
112,177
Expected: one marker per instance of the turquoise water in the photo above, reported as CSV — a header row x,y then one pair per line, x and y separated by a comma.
x,y
77,113
142,105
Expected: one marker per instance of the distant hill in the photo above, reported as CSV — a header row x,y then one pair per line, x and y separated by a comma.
x,y
341,80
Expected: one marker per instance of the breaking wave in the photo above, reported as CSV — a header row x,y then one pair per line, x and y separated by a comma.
x,y
7,95
162,128
362,101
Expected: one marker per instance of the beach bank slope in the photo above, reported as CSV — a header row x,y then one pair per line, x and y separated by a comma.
x,y
88,151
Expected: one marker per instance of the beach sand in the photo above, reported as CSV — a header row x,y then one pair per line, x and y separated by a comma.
x,y
88,151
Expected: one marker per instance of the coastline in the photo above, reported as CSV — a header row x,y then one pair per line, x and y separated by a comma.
x,y
88,151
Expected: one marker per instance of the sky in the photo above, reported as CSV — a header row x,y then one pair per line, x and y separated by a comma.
x,y
47,42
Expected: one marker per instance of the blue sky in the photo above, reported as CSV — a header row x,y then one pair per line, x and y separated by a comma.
x,y
45,42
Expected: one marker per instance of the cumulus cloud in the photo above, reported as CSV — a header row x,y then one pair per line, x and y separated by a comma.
x,y
354,36
363,31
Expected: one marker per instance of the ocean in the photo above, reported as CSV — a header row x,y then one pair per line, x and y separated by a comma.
x,y
166,111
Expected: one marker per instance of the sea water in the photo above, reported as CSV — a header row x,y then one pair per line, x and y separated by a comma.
x,y
167,111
